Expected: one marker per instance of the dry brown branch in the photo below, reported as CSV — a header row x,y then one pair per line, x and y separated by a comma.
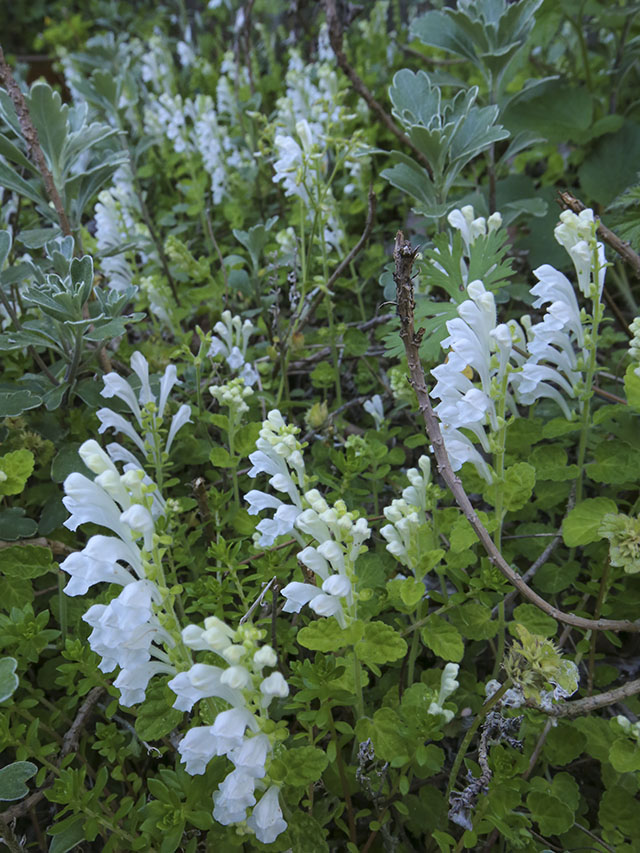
x,y
33,143
404,256
336,37
592,703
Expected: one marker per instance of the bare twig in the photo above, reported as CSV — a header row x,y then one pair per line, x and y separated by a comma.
x,y
69,744
592,703
344,263
33,143
404,256
336,37
570,202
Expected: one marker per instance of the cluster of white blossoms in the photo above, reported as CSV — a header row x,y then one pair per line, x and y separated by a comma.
x,y
278,454
338,534
406,515
243,733
448,685
147,410
126,632
233,394
231,342
138,631
515,363
478,342
471,226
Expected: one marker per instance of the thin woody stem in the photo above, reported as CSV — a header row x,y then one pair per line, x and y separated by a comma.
x,y
336,37
404,256
33,143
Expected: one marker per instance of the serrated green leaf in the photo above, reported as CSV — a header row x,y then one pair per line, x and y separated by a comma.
x,y
156,718
582,523
305,764
26,561
624,756
519,480
474,621
443,639
534,620
615,462
380,644
325,635
550,462
564,744
15,469
221,458
552,815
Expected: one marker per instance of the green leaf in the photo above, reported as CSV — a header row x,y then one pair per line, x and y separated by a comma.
x,y
12,779
624,756
474,621
15,469
582,523
443,639
380,644
552,816
389,736
305,764
550,462
221,458
67,461
305,834
632,387
324,635
49,116
608,169
619,812
14,403
11,180
13,524
68,836
5,246
564,744
156,718
519,480
534,620
557,111
616,462
26,561
8,679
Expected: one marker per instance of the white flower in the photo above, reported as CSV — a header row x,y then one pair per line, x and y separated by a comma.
x,y
234,797
273,686
250,756
448,685
202,743
266,819
98,562
200,682
375,409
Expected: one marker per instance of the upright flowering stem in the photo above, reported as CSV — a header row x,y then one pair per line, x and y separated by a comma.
x,y
592,343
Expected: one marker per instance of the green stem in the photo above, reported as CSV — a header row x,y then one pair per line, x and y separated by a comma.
x,y
501,638
413,651
591,370
234,471
343,779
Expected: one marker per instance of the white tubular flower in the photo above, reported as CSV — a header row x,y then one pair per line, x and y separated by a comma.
x,y
251,755
140,522
401,533
272,687
448,685
416,493
98,563
234,797
375,409
133,681
471,227
234,395
89,503
232,342
290,167
236,677
201,682
577,234
265,656
266,819
297,595
116,386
